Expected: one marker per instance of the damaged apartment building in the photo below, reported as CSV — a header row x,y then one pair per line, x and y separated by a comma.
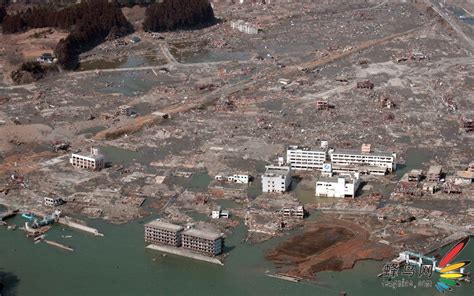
x,y
200,241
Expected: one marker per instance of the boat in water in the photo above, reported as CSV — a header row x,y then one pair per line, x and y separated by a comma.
x,y
28,216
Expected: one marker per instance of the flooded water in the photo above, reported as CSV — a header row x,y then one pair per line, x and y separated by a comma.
x,y
198,182
415,158
462,15
132,84
127,62
118,264
202,56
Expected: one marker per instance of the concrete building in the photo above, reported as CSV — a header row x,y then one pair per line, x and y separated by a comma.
x,y
464,177
430,187
216,213
364,161
93,160
53,201
159,232
209,243
237,178
434,173
276,178
413,176
125,110
305,158
338,186
293,212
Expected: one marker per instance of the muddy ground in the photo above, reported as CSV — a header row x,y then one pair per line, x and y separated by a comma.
x,y
327,244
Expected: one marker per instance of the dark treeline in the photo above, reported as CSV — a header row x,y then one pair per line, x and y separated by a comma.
x,y
178,14
89,22
3,13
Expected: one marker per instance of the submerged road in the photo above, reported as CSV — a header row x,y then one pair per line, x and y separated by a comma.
x,y
451,22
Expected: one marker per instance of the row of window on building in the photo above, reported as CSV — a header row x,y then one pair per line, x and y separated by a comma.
x,y
205,242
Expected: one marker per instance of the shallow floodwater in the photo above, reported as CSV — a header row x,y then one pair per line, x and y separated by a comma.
x,y
127,62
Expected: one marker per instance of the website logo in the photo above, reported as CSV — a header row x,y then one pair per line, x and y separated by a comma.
x,y
451,274
401,272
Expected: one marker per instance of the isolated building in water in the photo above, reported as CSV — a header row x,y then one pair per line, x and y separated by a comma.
x,y
159,232
207,242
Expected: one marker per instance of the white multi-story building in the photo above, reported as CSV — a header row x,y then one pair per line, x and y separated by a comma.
x,y
276,178
305,158
338,186
364,161
93,160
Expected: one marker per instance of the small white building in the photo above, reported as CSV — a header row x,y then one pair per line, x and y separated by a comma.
x,y
338,186
93,160
53,201
235,178
216,213
276,178
241,179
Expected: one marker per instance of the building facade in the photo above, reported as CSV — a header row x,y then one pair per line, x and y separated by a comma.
x,y
434,173
159,232
293,212
364,161
238,178
305,158
205,242
338,186
276,179
93,161
244,27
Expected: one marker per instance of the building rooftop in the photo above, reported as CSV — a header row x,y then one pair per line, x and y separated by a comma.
x,y
334,179
210,235
164,225
465,174
328,179
90,155
435,170
359,152
272,171
306,148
